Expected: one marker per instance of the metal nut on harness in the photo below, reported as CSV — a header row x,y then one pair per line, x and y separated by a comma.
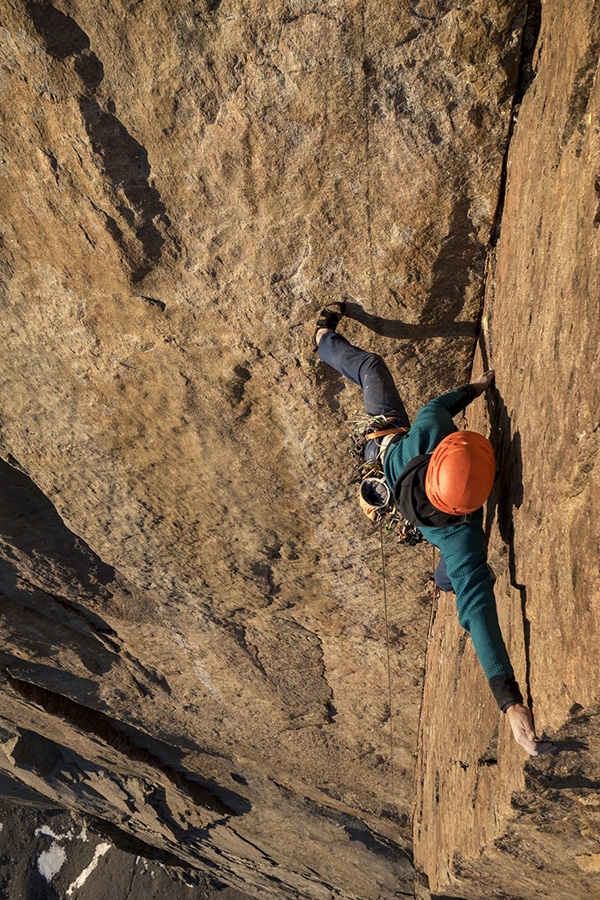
x,y
409,534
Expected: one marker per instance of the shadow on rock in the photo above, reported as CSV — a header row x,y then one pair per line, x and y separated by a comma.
x,y
30,523
451,270
393,328
125,159
61,34
506,496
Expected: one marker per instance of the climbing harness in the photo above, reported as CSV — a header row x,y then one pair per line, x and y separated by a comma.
x,y
373,429
374,495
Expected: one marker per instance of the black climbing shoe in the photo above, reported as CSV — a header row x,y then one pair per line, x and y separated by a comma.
x,y
329,317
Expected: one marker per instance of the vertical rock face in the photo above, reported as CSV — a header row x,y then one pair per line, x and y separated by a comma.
x,y
532,830
193,632
50,853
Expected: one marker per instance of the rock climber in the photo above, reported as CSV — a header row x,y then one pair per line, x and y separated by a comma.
x,y
440,478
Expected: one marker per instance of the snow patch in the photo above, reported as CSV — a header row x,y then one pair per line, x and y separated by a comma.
x,y
51,861
47,832
100,850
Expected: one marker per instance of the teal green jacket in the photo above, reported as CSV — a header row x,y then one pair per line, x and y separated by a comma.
x,y
463,546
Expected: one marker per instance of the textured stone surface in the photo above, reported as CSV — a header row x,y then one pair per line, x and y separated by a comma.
x,y
532,830
193,632
46,854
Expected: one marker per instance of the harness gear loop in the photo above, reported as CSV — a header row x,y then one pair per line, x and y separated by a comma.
x,y
371,435
374,494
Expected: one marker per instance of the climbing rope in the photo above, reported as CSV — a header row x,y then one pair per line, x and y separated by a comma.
x,y
434,597
389,666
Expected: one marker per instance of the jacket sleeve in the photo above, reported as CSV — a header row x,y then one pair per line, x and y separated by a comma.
x,y
463,549
434,421
455,401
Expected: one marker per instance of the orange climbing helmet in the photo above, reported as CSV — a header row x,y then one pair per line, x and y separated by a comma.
x,y
460,473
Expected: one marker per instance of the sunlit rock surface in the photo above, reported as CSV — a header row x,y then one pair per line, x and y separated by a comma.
x,y
529,829
194,644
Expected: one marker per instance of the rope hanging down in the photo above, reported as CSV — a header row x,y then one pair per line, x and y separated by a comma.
x,y
387,646
434,597
389,667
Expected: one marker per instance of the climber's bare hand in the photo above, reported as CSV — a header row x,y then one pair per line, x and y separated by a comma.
x,y
521,722
483,382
